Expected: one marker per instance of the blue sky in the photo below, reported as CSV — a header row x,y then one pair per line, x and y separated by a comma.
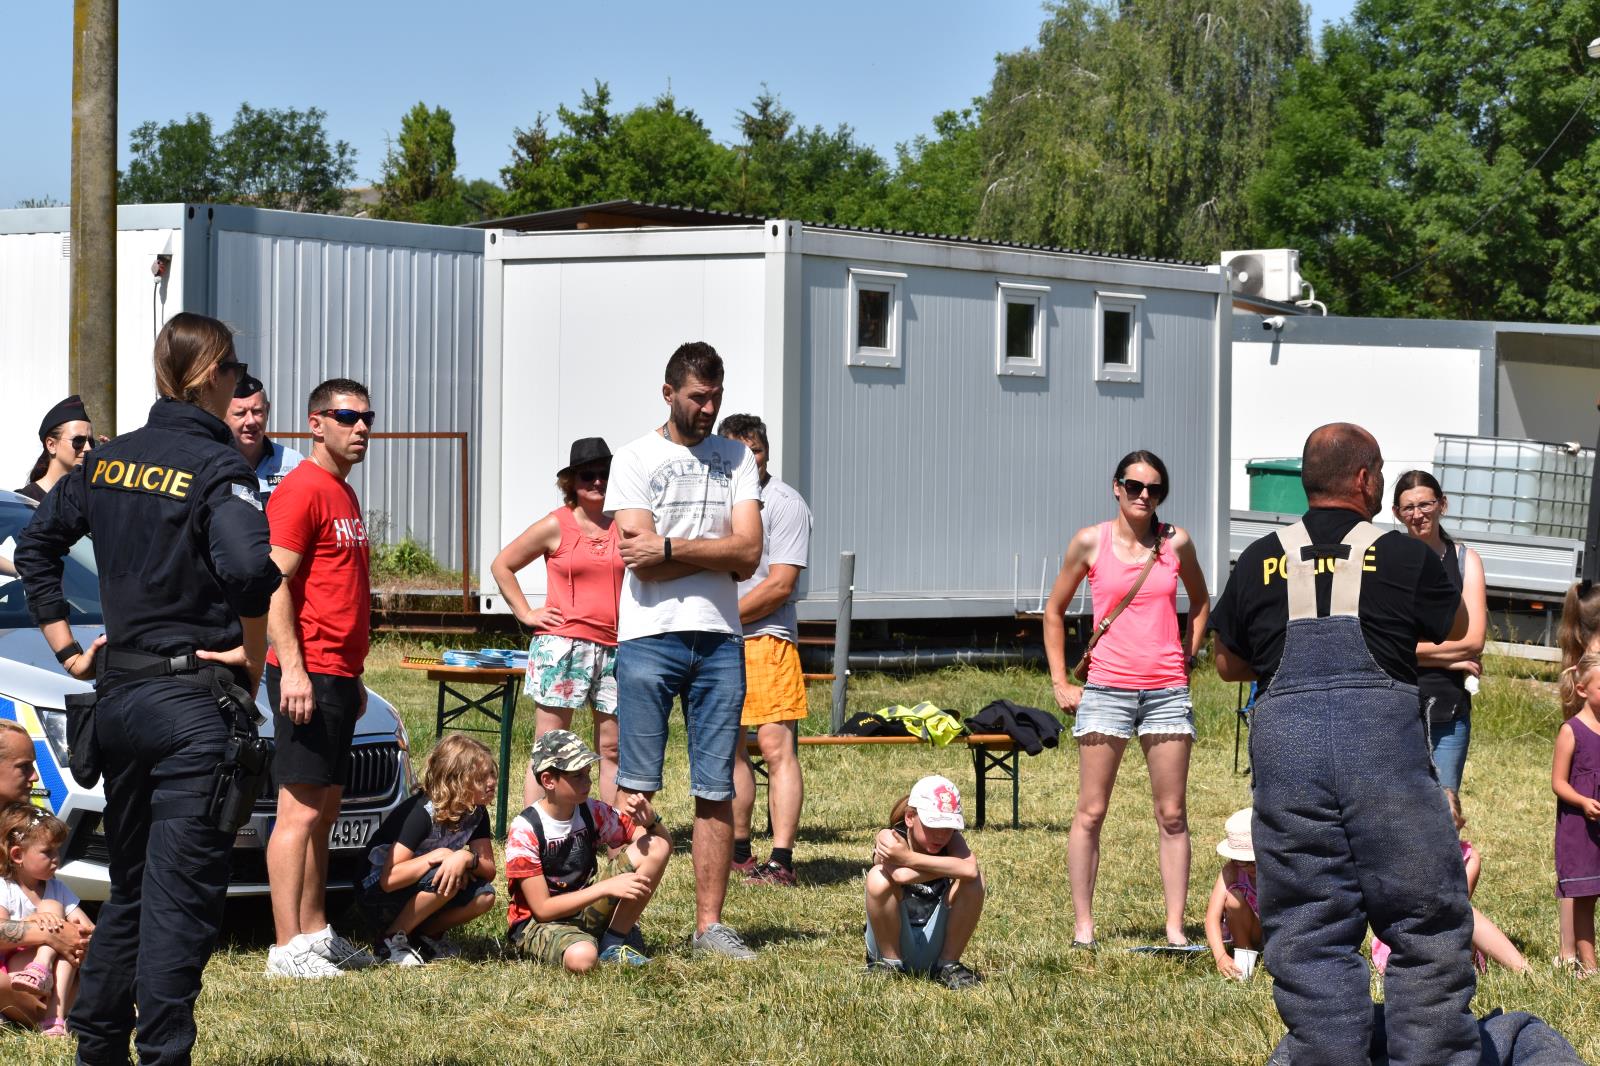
x,y
885,69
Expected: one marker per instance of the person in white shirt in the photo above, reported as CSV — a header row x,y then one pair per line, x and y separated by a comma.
x,y
774,684
688,505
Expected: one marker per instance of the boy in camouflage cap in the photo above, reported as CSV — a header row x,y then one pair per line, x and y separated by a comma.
x,y
559,913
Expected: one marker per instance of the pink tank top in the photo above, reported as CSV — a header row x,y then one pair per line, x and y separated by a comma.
x,y
583,577
1142,649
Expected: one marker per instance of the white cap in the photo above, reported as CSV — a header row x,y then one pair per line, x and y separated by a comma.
x,y
1236,844
937,803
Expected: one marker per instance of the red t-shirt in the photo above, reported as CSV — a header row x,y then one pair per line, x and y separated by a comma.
x,y
317,515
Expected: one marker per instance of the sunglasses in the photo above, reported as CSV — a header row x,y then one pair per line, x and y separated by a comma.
x,y
593,473
80,442
1135,488
239,369
346,417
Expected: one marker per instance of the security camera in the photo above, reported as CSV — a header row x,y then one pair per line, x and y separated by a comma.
x,y
1273,323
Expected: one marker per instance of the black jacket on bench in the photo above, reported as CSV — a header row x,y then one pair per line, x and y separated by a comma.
x,y
1030,728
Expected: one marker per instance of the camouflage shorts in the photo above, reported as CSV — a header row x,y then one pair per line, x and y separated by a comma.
x,y
547,942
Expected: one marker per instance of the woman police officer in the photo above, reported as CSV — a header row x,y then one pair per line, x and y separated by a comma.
x,y
181,545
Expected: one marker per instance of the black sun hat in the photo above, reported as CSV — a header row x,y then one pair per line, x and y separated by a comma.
x,y
585,450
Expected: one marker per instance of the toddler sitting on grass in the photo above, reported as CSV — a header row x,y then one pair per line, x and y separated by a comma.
x,y
30,852
1232,915
559,914
924,891
432,863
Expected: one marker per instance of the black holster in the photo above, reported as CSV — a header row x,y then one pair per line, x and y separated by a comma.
x,y
246,764
83,752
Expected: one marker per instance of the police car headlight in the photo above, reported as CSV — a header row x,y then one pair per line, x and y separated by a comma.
x,y
55,731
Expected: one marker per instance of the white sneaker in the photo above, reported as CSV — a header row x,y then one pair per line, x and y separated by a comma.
x,y
399,952
294,960
340,952
437,947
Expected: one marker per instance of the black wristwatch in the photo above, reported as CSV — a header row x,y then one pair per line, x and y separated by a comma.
x,y
666,549
68,652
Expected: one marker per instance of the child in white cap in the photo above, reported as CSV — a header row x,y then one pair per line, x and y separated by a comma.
x,y
924,891
1233,908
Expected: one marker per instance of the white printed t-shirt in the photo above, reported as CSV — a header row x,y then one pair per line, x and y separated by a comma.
x,y
786,538
692,493
20,908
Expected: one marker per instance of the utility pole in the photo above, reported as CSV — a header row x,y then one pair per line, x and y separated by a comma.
x,y
92,327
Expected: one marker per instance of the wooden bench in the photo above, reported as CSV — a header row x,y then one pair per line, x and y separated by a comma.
x,y
992,753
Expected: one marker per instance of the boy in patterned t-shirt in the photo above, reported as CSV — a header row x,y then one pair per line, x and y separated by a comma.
x,y
559,914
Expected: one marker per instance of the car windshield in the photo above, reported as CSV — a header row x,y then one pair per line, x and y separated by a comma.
x,y
80,580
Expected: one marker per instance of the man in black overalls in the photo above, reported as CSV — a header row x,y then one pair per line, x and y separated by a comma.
x,y
1351,827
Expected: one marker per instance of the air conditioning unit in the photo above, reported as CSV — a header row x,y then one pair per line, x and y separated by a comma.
x,y
1271,274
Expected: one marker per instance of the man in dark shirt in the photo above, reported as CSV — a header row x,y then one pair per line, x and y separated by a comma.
x,y
1350,824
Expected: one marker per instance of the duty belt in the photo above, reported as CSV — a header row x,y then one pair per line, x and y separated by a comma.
x,y
138,665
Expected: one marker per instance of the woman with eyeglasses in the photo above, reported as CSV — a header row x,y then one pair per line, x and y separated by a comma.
x,y
1447,674
1138,677
572,661
67,438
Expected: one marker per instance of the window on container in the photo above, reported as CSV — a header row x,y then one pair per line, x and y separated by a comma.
x,y
873,333
1020,329
1119,336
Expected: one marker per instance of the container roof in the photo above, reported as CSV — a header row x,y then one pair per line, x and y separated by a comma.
x,y
632,214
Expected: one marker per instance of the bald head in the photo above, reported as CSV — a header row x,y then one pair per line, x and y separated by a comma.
x,y
1341,465
17,772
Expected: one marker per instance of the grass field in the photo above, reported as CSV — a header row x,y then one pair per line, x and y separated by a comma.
x,y
804,999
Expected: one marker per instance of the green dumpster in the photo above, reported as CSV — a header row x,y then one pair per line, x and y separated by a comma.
x,y
1275,485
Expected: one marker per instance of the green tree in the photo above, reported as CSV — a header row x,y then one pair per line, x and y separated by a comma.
x,y
810,173
267,158
175,163
1401,169
937,182
657,152
1135,125
281,158
419,182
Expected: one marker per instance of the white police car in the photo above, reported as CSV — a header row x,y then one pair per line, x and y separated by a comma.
x,y
33,688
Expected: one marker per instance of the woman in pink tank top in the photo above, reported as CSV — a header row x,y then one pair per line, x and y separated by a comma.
x,y
572,661
1138,679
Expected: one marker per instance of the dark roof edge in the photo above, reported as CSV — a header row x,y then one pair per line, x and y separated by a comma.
x,y
670,215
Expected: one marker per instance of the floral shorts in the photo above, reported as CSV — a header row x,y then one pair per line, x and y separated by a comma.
x,y
571,673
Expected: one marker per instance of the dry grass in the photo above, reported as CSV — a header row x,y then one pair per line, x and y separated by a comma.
x,y
803,1000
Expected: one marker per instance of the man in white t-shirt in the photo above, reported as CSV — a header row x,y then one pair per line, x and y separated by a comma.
x,y
688,507
774,686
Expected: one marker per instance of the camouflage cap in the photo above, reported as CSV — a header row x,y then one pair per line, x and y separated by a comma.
x,y
563,750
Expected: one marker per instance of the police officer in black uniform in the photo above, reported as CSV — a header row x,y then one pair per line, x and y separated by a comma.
x,y
185,578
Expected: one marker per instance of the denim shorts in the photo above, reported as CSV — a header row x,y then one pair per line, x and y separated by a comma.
x,y
705,670
1120,712
920,946
382,908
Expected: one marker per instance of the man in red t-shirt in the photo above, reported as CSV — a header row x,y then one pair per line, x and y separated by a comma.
x,y
318,625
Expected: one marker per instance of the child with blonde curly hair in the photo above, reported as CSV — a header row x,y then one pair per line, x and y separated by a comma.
x,y
30,852
431,861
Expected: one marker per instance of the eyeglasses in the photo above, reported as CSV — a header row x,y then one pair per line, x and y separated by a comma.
x,y
595,473
239,369
1427,507
1135,488
346,417
81,441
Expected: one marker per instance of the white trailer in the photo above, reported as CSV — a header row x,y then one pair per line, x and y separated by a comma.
x,y
952,409
393,305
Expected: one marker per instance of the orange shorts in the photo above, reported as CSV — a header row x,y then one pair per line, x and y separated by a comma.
x,y
774,687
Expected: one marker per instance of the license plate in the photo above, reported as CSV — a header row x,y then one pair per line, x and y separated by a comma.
x,y
352,831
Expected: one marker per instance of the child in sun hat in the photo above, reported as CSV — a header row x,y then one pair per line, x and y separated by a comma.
x,y
924,890
1232,915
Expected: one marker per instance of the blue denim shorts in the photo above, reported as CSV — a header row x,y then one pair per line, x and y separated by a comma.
x,y
920,946
1120,712
705,670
